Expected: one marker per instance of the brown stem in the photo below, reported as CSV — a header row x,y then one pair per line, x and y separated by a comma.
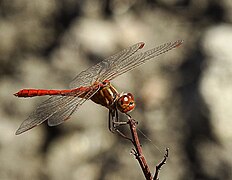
x,y
158,167
137,151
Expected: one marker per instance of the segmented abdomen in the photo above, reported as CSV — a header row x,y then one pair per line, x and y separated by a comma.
x,y
41,92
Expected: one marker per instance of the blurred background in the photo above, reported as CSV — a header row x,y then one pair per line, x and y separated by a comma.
x,y
183,97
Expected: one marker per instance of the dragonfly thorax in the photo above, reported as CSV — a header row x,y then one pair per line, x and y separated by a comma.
x,y
109,97
106,95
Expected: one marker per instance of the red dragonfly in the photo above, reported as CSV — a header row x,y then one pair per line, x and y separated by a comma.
x,y
94,84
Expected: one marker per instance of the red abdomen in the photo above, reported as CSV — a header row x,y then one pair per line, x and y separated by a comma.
x,y
41,92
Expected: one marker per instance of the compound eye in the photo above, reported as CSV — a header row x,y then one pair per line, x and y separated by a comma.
x,y
126,103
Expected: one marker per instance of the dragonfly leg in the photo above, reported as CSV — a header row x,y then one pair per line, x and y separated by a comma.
x,y
113,120
114,123
110,120
119,123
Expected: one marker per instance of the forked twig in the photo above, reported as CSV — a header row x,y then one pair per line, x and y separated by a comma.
x,y
137,151
158,167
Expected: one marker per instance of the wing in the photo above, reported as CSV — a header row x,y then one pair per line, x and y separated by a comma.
x,y
70,107
56,110
120,63
118,67
92,74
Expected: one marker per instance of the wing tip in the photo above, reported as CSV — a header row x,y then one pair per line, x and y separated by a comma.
x,y
19,131
179,42
23,129
142,44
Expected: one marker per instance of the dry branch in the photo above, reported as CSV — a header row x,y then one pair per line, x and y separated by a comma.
x,y
137,151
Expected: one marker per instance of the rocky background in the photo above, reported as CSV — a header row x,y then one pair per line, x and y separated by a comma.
x,y
183,97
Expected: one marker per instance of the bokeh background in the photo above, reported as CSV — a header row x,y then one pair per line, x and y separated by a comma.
x,y
184,97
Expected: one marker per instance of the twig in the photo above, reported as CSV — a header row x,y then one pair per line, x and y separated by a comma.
x,y
158,167
137,151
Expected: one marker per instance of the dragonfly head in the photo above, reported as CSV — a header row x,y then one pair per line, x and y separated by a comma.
x,y
125,103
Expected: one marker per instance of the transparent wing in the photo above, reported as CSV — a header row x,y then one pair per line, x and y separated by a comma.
x,y
70,107
116,68
56,110
120,63
87,77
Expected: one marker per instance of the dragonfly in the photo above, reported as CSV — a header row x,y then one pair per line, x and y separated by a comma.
x,y
92,84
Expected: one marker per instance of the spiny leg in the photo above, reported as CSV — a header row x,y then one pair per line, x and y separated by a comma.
x,y
110,120
114,123
113,120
